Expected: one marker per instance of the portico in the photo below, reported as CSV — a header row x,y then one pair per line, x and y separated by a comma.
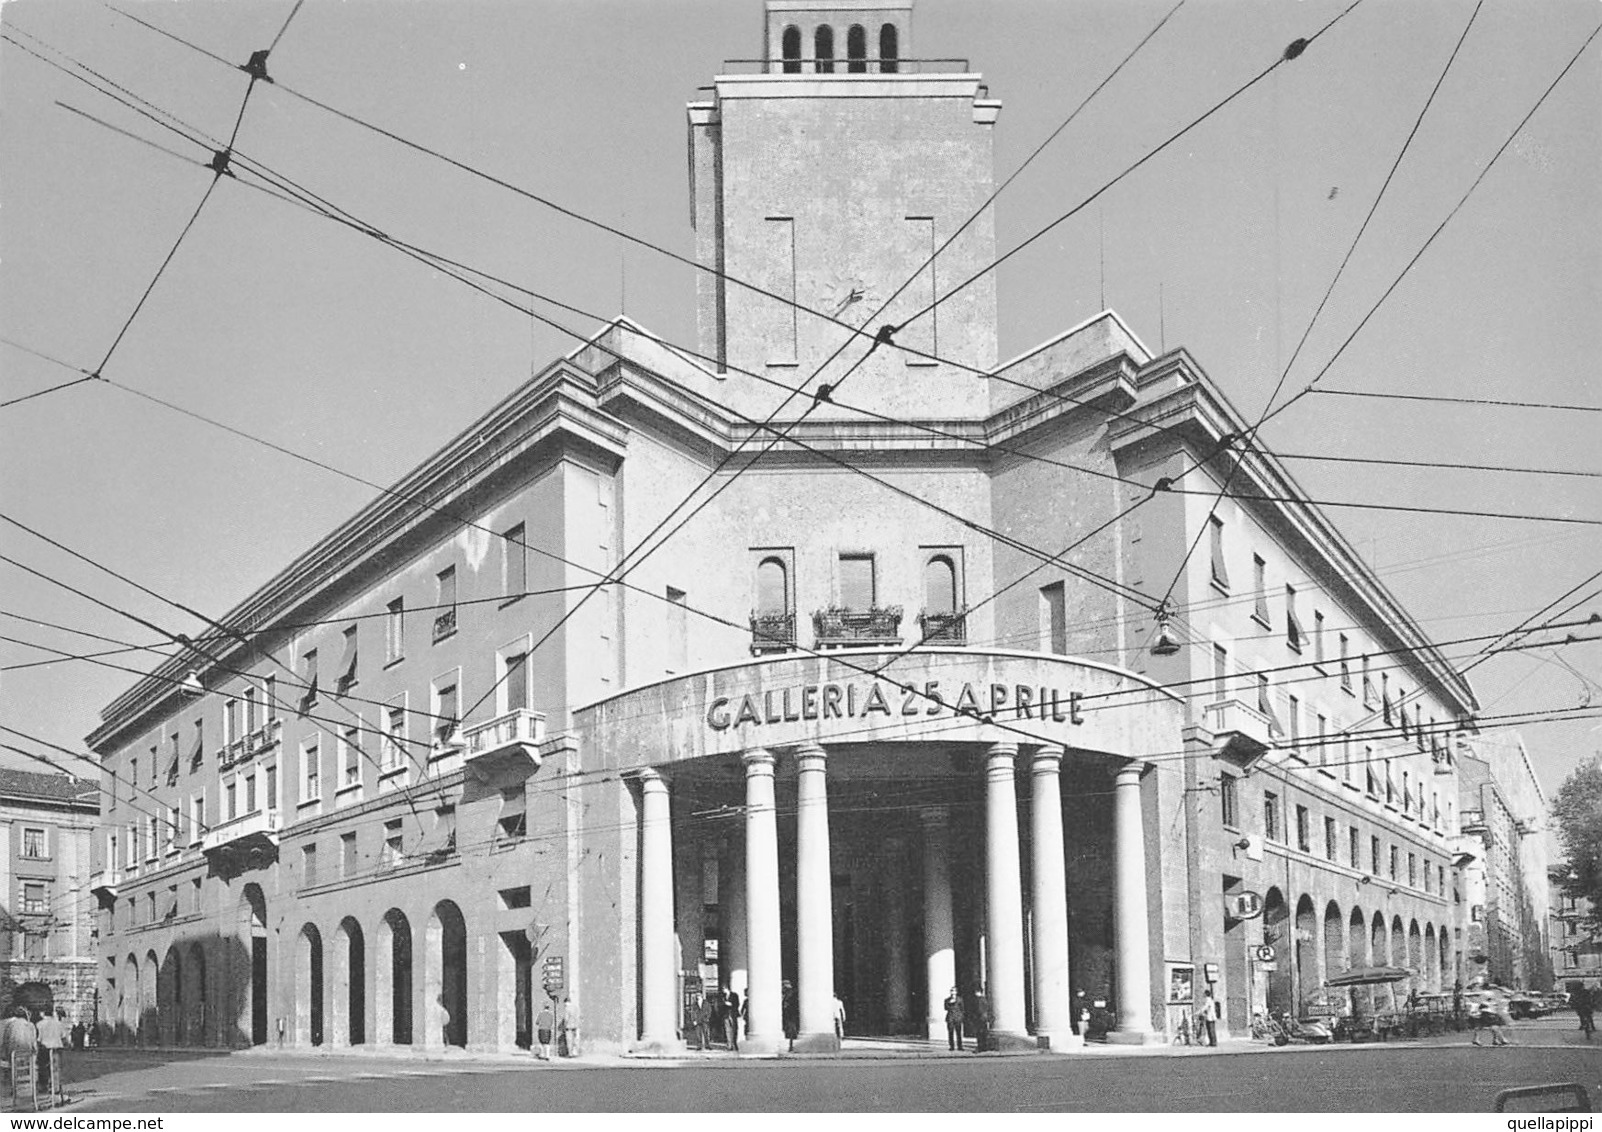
x,y
866,838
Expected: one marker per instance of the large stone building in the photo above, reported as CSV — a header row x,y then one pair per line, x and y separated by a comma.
x,y
900,709
1575,944
1502,828
46,953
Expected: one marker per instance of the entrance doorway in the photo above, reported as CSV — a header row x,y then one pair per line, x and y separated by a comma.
x,y
517,972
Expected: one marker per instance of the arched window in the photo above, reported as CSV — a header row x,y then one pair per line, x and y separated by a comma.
x,y
773,587
888,50
857,49
790,46
939,585
823,48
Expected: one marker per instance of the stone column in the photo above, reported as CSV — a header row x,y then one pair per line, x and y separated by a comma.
x,y
764,1031
814,903
1129,910
896,993
939,936
731,882
1053,1008
659,997
1004,903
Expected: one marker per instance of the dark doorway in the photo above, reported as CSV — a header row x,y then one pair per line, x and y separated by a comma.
x,y
519,962
258,990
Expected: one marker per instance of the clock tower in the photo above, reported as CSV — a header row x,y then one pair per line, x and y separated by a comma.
x,y
823,177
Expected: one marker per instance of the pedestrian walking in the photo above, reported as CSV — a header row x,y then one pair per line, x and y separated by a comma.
x,y
18,1036
789,1011
1584,1003
544,1024
731,1021
839,1018
1488,1017
79,1035
954,1020
701,1018
979,1015
570,1029
1207,1018
51,1033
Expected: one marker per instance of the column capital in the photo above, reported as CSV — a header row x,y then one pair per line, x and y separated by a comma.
x,y
810,753
757,758
1130,772
1047,759
649,778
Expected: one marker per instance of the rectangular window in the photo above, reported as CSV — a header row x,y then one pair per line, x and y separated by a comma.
x,y
445,709
1265,704
270,778
514,565
1368,685
308,864
1412,870
920,335
1271,817
395,630
1230,799
513,820
311,759
230,721
33,898
678,630
347,854
1293,712
33,843
1220,573
1429,875
1304,830
1293,624
1374,855
1054,617
1220,673
446,824
175,817
1440,879
1346,663
1260,590
1394,860
231,799
1355,847
1323,739
269,698
1370,772
250,793
350,745
347,662
308,677
515,678
1331,840
393,841
1318,639
197,811
252,710
394,736
445,599
858,585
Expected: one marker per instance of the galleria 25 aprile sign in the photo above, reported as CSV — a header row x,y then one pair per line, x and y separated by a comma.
x,y
864,699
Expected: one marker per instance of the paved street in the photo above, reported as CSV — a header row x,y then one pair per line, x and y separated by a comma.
x,y
1433,1075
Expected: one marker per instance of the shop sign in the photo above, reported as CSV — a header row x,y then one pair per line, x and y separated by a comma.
x,y
1243,905
867,698
551,973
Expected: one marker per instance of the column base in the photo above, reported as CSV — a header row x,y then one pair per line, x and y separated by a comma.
x,y
658,1047
937,1029
1005,1041
1134,1038
822,1042
1061,1040
762,1047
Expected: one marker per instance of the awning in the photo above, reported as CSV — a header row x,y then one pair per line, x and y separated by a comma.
x,y
1368,976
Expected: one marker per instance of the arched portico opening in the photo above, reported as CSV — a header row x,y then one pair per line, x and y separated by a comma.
x,y
309,986
128,1013
1279,990
252,928
1307,956
1334,947
350,984
197,1021
149,1003
1432,967
445,980
1415,957
1357,956
170,1000
392,982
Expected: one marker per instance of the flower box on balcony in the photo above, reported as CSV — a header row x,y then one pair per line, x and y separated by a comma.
x,y
772,632
847,628
944,628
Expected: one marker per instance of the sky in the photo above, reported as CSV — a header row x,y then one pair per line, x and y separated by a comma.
x,y
279,324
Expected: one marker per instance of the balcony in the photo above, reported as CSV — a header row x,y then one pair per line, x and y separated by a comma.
x,y
251,831
854,628
1471,821
506,747
1242,734
772,632
944,628
103,885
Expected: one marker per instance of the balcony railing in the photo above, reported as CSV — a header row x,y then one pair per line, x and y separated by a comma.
x,y
445,624
259,826
506,745
772,632
845,628
1242,733
1471,821
949,628
103,885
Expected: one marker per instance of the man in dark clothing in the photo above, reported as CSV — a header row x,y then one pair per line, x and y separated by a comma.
x,y
731,1020
1584,1003
979,1015
954,1018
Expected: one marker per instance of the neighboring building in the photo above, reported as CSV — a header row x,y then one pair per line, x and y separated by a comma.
x,y
46,953
1576,945
833,731
1501,817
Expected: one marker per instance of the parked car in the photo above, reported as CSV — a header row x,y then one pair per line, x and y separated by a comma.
x,y
1527,1004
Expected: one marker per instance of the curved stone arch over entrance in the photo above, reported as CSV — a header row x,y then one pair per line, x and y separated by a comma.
x,y
252,979
1415,956
1432,967
1449,975
128,1013
445,977
196,1024
170,999
348,1004
1380,951
1279,989
1334,943
309,986
392,980
1357,956
149,1004
1305,950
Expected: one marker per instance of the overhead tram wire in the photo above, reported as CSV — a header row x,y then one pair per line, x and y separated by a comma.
x,y
1246,438
1434,463
1459,400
